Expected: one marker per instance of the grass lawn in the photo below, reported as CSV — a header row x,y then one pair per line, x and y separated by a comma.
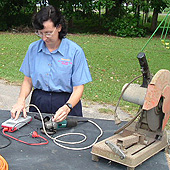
x,y
112,62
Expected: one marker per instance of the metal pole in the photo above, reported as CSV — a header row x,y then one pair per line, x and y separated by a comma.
x,y
164,26
154,32
167,30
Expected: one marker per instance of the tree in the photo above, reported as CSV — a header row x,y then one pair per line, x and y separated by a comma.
x,y
19,14
158,6
120,17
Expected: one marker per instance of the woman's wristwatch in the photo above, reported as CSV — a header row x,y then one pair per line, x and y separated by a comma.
x,y
70,106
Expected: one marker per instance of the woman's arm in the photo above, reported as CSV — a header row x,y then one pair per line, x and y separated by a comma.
x,y
19,107
63,111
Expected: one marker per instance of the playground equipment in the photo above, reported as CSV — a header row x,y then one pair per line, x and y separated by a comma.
x,y
164,35
164,38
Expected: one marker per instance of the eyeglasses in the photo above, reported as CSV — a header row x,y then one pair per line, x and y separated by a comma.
x,y
48,34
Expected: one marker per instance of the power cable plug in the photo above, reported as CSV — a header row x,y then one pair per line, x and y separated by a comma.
x,y
35,134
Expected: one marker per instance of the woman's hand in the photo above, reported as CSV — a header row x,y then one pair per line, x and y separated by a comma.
x,y
24,92
18,108
61,114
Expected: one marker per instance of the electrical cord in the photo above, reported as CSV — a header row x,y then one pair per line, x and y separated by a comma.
x,y
3,164
1,147
83,148
34,135
117,120
57,141
129,123
31,134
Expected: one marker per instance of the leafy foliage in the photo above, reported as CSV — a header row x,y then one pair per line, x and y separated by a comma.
x,y
160,5
118,17
15,13
125,27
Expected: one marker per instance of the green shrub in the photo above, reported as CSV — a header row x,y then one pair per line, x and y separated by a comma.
x,y
86,25
125,27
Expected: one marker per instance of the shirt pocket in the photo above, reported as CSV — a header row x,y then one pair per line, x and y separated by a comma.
x,y
62,76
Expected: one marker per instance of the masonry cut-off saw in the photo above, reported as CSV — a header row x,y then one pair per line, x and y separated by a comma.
x,y
140,139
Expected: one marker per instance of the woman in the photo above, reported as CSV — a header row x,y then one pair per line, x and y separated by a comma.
x,y
55,67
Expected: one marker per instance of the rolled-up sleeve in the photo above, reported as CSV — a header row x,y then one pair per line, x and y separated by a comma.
x,y
81,73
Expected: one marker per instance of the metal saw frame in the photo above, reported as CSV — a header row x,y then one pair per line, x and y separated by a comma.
x,y
138,142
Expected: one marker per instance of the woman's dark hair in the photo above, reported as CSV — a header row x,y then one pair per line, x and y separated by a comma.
x,y
50,13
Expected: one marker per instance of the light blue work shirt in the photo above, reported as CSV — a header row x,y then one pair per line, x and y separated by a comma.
x,y
57,71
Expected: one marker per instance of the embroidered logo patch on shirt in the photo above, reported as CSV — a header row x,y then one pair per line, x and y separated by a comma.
x,y
65,61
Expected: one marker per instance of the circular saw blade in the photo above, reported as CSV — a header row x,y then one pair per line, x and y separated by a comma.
x,y
155,117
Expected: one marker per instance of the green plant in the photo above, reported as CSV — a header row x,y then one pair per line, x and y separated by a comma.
x,y
86,25
125,27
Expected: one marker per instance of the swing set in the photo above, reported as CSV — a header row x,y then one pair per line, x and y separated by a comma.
x,y
164,36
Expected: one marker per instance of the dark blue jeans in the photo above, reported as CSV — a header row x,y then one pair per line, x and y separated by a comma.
x,y
50,102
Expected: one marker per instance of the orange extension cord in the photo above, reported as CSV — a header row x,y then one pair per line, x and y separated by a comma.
x,y
3,164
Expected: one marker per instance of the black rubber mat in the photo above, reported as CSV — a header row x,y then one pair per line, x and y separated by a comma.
x,y
52,157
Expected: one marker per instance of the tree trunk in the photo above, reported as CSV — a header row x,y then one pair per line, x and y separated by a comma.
x,y
138,14
99,10
146,17
154,20
116,10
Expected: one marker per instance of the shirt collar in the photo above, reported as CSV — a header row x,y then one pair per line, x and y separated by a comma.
x,y
61,49
42,47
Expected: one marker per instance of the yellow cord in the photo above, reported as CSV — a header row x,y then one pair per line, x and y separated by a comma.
x,y
3,164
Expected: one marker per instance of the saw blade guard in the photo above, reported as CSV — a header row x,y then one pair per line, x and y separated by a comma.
x,y
149,98
158,88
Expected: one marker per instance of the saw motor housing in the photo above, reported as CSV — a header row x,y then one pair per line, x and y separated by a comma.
x,y
153,96
145,137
